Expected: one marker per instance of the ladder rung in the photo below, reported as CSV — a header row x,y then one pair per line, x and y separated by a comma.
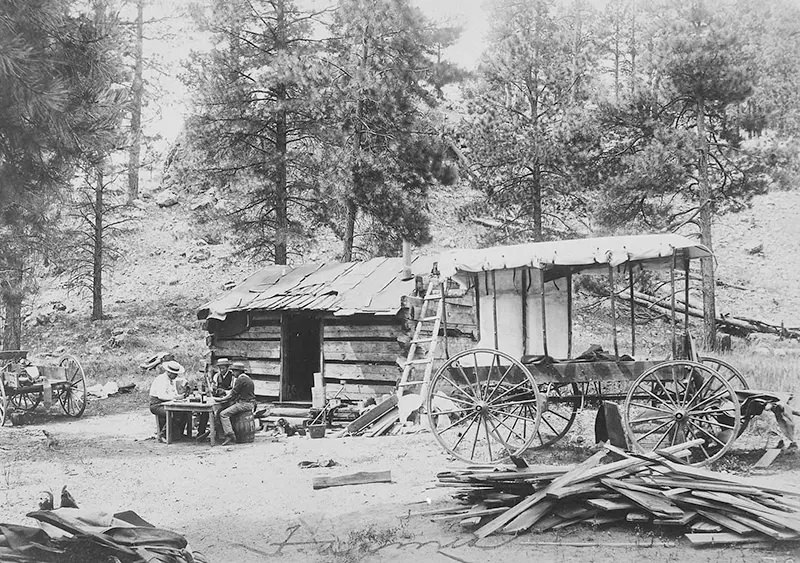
x,y
422,340
429,297
428,319
420,361
409,383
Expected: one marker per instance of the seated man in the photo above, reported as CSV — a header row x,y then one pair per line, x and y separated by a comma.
x,y
162,390
221,383
243,399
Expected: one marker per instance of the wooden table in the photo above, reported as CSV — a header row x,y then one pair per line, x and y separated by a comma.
x,y
210,406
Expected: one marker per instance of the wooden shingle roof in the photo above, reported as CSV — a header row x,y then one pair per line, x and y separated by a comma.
x,y
342,288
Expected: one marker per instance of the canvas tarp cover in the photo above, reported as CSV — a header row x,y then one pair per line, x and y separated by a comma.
x,y
579,253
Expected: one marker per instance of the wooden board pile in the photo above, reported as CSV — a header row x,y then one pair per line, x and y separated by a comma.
x,y
714,508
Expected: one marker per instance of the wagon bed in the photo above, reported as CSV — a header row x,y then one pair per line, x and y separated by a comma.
x,y
24,386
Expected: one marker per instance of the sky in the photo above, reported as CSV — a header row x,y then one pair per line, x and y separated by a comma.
x,y
472,15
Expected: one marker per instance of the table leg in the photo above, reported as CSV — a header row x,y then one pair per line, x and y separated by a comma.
x,y
212,418
169,426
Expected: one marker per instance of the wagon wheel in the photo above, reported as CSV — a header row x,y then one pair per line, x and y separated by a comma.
x,y
26,401
3,401
733,376
72,394
23,401
562,402
483,405
678,401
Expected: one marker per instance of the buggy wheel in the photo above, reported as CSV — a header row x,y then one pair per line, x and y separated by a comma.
x,y
26,401
733,376
484,406
3,401
562,402
677,401
72,394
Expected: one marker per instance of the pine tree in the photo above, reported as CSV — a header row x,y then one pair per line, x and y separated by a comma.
x,y
49,60
384,79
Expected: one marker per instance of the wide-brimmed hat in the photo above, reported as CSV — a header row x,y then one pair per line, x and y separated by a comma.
x,y
238,366
173,367
223,362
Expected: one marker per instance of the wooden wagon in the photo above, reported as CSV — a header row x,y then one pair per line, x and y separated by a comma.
x,y
24,386
521,387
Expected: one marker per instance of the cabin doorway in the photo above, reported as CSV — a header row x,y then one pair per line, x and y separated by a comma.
x,y
300,356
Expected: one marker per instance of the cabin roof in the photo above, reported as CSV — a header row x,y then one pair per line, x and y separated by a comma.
x,y
584,253
342,288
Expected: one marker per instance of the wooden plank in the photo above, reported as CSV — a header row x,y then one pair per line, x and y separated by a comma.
x,y
637,517
705,485
363,350
607,504
266,387
263,367
699,472
651,502
579,372
261,349
358,391
768,457
685,519
530,517
764,529
265,317
720,538
372,415
383,423
724,521
256,333
354,372
363,332
360,478
704,526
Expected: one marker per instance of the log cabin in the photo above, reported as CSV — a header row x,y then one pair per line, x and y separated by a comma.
x,y
352,322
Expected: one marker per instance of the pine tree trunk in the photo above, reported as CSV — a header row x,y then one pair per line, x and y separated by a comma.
x,y
137,88
97,254
349,230
358,133
706,264
12,292
281,205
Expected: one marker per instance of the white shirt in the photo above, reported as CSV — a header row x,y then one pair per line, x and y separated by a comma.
x,y
163,387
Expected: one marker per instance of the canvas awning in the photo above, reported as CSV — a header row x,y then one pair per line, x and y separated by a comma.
x,y
579,253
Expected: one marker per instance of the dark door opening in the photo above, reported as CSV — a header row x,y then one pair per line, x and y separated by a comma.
x,y
300,355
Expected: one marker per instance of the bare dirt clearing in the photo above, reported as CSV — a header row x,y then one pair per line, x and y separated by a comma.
x,y
251,502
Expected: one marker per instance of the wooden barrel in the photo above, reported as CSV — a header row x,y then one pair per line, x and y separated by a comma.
x,y
244,427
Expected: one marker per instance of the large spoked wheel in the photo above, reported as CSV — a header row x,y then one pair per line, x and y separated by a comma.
x,y
678,401
72,394
483,406
733,376
3,401
26,401
562,402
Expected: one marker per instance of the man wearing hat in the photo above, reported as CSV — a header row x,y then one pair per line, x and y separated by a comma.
x,y
163,389
221,384
242,397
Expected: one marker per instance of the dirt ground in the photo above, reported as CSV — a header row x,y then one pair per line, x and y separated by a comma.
x,y
251,502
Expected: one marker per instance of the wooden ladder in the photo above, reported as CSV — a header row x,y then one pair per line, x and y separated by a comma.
x,y
429,320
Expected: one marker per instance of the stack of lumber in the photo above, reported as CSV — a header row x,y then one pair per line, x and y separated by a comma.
x,y
712,507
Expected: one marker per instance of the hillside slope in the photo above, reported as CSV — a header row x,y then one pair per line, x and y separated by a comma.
x,y
166,273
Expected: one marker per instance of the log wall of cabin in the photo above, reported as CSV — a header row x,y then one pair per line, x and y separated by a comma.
x,y
361,355
259,347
